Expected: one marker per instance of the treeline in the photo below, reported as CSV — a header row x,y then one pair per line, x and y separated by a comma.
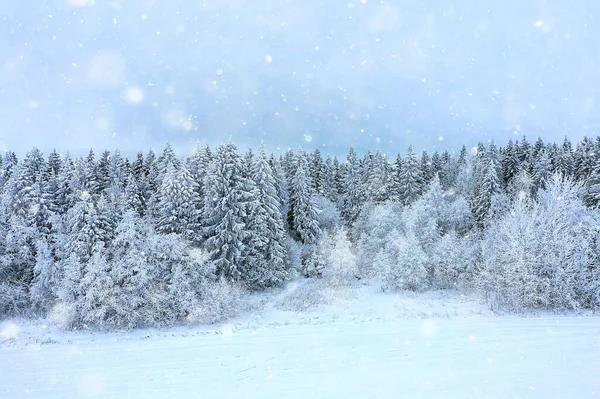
x,y
108,241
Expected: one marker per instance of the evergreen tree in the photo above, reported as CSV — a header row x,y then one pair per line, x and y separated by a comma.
x,y
179,203
542,172
102,171
43,291
426,168
269,259
584,159
566,162
224,212
482,201
303,213
352,202
411,180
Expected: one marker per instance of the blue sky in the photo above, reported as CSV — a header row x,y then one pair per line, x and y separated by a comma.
x,y
133,74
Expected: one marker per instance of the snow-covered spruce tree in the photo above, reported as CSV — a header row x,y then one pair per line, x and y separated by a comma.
x,y
135,280
17,264
487,187
224,212
377,185
410,179
117,171
566,162
339,172
96,306
328,183
281,184
352,197
509,164
197,165
542,173
315,167
269,262
584,159
303,213
46,278
83,232
9,162
134,197
179,204
426,168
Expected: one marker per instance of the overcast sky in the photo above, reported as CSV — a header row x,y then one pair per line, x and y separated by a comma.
x,y
133,74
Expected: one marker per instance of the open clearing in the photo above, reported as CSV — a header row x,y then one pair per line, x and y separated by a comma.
x,y
370,345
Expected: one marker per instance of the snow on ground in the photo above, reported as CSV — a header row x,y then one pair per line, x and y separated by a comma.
x,y
355,344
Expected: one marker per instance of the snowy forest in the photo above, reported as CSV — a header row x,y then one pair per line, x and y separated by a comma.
x,y
111,242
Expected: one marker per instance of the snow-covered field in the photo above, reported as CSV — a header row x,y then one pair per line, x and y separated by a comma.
x,y
364,344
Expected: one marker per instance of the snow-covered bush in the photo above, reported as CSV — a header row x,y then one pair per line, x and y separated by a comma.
x,y
197,297
329,215
220,300
13,299
538,255
340,262
372,229
453,261
459,215
312,264
311,293
402,264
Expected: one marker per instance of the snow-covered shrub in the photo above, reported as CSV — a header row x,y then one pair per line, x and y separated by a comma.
x,y
402,264
453,261
340,262
220,300
294,250
372,229
329,215
13,299
312,264
459,215
63,315
46,278
197,297
311,293
538,255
